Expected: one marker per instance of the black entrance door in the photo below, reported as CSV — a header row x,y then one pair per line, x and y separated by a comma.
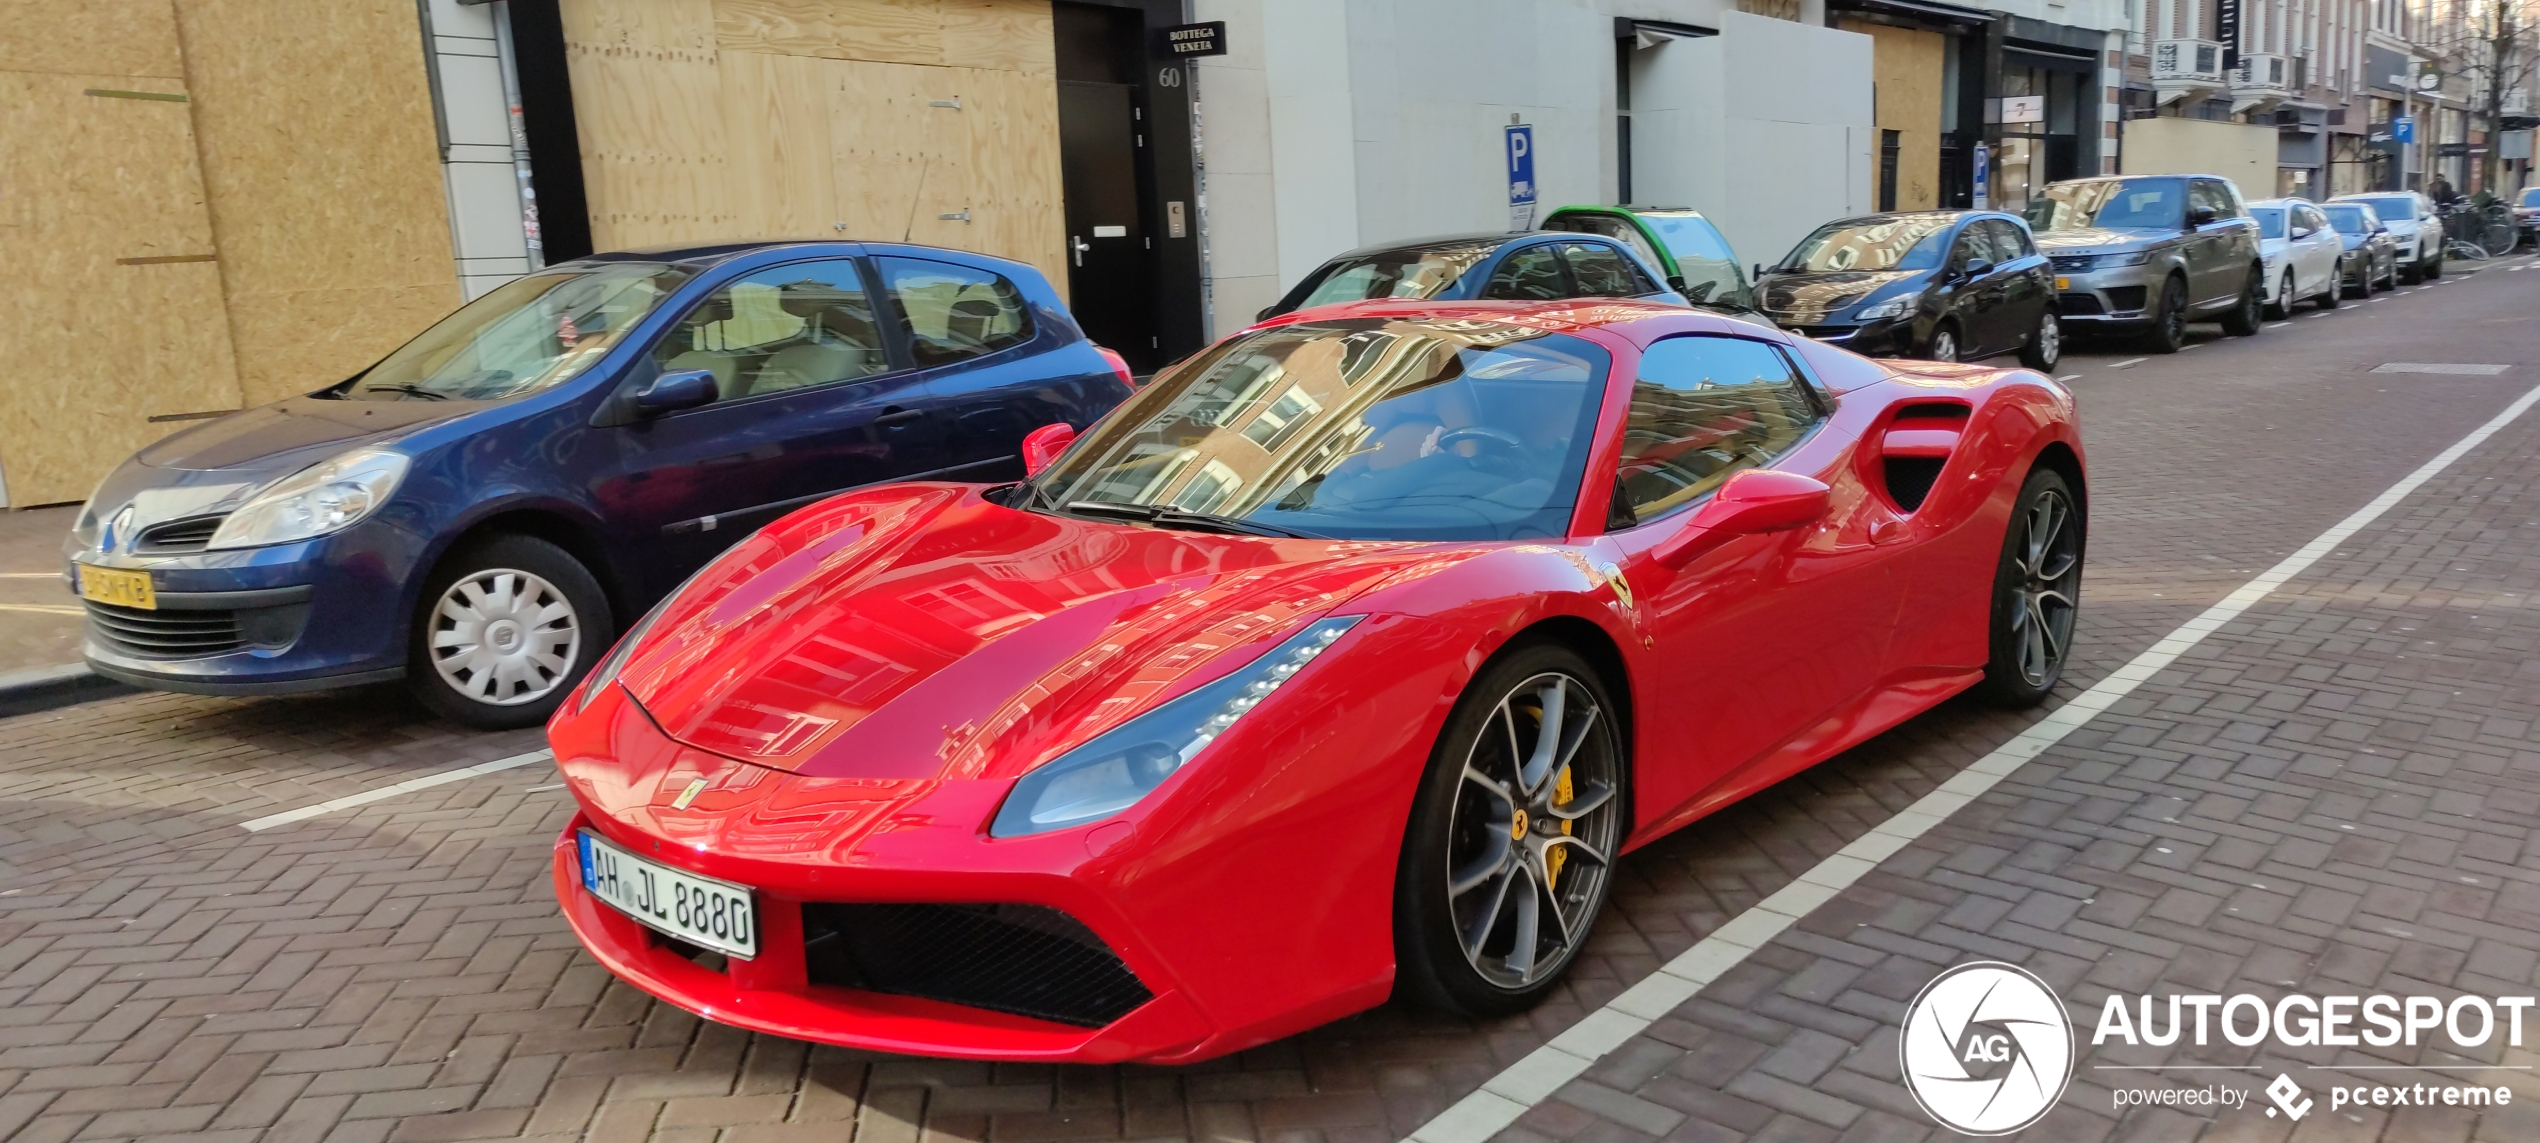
x,y
1110,275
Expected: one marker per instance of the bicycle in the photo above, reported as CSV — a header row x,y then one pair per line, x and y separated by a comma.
x,y
2478,233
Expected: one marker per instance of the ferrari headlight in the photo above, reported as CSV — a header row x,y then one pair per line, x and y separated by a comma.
x,y
1898,306
1110,773
329,496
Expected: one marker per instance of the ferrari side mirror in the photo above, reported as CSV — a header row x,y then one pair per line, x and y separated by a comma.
x,y
1753,502
1043,446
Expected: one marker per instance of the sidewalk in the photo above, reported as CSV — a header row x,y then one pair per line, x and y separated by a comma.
x,y
39,618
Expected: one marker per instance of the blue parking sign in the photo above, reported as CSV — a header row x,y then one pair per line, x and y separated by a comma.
x,y
1520,147
2404,129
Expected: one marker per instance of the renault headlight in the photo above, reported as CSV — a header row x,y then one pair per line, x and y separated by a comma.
x,y
1898,306
1110,773
329,496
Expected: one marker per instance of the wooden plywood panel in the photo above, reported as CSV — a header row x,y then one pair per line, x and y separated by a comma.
x,y
883,31
1000,35
1907,65
667,28
652,148
777,145
125,38
324,181
899,161
97,345
647,96
1017,199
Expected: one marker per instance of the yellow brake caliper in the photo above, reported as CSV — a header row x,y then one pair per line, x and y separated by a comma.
x,y
1561,795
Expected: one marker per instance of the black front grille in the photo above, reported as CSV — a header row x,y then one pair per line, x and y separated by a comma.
x,y
164,634
2074,263
2077,304
1028,960
2124,298
177,537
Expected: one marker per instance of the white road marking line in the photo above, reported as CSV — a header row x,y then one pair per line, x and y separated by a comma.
x,y
2129,362
2284,323
2317,315
43,608
383,793
1531,1080
30,575
2185,348
2070,377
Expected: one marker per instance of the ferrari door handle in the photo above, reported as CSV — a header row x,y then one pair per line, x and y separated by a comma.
x,y
896,415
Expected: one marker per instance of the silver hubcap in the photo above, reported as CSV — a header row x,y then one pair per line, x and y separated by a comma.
x,y
2049,572
1534,831
1944,346
2050,339
504,637
2284,297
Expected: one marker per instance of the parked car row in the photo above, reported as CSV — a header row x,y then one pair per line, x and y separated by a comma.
x,y
888,632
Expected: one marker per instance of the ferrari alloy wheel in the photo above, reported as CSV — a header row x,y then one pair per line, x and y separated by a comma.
x,y
1511,846
1944,344
2046,345
2037,592
505,631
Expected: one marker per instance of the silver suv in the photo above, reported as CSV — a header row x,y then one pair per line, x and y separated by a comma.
x,y
2146,254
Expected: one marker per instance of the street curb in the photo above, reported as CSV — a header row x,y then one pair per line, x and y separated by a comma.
x,y
52,688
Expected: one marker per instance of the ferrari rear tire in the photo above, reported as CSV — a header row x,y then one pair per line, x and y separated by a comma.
x,y
1509,854
2036,594
504,629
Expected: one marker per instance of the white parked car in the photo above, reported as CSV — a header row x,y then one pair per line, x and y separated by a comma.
x,y
2301,252
2410,217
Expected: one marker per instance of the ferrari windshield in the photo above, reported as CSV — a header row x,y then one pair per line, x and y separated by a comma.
x,y
529,334
2116,204
1908,242
1354,429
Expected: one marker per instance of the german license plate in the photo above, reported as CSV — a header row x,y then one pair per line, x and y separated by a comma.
x,y
120,588
699,910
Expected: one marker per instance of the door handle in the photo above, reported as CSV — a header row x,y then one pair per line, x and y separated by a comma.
x,y
1077,243
895,415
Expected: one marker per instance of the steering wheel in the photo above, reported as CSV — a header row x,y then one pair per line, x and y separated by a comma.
x,y
1500,451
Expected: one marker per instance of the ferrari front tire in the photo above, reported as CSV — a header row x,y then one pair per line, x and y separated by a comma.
x,y
2036,594
1510,849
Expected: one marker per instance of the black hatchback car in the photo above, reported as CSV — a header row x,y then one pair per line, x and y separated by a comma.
x,y
1950,285
1525,266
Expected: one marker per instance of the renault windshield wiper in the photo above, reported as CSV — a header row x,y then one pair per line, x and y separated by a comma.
x,y
1164,517
408,388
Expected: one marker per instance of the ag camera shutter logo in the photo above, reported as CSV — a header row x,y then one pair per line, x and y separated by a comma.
x,y
1987,1048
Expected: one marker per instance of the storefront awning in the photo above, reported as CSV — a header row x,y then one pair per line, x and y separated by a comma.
x,y
1924,10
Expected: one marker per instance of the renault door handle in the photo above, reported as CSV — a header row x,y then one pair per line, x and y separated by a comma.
x,y
896,415
1077,243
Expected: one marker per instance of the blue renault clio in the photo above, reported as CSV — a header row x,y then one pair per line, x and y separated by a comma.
x,y
478,513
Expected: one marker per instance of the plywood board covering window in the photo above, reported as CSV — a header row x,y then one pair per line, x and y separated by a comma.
x,y
101,326
859,119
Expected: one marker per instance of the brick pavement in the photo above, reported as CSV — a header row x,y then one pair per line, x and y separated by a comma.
x,y
39,621
399,971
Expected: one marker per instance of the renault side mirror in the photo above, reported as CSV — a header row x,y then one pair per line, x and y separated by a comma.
x,y
671,392
1043,446
1753,502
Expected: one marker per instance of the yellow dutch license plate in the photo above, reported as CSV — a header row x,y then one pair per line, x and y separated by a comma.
x,y
2063,283
120,588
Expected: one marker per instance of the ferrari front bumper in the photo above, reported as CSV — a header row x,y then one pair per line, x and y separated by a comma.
x,y
774,991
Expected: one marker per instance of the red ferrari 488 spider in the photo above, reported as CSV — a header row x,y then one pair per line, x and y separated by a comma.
x,y
1343,659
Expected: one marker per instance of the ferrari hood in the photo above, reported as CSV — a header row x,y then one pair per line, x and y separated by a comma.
x,y
921,631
